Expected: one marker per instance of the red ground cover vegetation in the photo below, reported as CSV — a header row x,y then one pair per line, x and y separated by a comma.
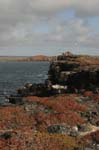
x,y
29,129
60,104
37,141
88,94
93,137
96,98
15,117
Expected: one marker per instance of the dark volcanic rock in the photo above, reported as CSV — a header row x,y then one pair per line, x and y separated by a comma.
x,y
57,129
75,72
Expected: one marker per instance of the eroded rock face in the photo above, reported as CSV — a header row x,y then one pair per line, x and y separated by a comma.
x,y
76,72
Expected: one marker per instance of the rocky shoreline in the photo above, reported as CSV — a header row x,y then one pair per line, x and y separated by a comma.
x,y
60,114
67,73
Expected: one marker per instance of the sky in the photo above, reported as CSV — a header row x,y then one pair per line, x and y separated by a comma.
x,y
49,27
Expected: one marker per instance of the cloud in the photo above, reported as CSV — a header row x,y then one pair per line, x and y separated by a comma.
x,y
48,6
19,20
86,8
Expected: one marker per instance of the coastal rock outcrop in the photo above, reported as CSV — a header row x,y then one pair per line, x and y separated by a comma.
x,y
75,72
67,73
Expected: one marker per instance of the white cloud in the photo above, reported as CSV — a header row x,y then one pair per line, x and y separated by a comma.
x,y
85,8
48,6
18,18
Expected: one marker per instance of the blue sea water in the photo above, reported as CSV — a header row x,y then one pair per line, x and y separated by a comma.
x,y
15,74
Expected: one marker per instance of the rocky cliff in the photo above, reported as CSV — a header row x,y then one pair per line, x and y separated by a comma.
x,y
75,72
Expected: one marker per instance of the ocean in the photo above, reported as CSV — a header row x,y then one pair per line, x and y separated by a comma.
x,y
15,74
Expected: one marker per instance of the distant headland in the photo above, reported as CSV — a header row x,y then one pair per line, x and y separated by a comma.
x,y
37,57
25,58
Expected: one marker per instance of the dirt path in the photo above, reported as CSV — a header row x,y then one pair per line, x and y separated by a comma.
x,y
92,129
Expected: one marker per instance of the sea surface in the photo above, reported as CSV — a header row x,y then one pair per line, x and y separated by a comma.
x,y
15,74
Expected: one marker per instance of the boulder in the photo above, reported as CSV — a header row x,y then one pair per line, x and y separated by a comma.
x,y
56,129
